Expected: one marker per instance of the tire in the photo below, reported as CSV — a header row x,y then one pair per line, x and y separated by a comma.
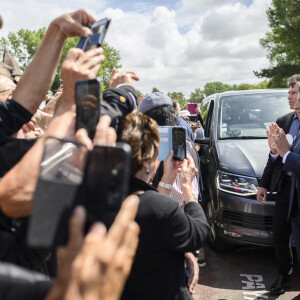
x,y
215,241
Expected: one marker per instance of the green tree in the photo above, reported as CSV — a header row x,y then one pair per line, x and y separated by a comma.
x,y
155,89
282,42
197,96
24,43
179,97
216,87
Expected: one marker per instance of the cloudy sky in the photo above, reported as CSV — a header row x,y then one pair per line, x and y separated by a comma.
x,y
172,45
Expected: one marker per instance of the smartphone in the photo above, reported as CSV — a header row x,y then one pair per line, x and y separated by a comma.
x,y
87,98
172,138
99,29
61,173
179,143
105,184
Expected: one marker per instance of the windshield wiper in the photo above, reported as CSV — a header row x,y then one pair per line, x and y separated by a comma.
x,y
246,137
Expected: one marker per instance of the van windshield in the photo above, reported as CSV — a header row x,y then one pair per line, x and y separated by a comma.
x,y
249,115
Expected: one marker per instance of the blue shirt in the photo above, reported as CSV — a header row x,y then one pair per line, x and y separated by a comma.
x,y
294,126
185,124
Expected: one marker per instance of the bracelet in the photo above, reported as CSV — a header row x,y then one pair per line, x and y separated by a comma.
x,y
167,186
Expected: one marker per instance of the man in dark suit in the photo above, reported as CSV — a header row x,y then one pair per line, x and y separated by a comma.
x,y
291,162
275,179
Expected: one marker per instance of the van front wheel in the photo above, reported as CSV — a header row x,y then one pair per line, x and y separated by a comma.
x,y
215,241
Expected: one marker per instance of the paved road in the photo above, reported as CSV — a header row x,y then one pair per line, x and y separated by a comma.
x,y
241,274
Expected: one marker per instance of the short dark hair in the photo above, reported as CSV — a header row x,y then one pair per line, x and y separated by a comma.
x,y
163,115
1,22
175,103
291,81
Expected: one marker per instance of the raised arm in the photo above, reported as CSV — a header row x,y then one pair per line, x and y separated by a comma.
x,y
18,185
39,75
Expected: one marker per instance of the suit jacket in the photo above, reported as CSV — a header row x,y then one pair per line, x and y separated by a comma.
x,y
292,163
166,234
274,174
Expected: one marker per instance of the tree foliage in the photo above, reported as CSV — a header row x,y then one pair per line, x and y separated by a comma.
x,y
179,97
197,96
155,89
282,42
216,87
24,43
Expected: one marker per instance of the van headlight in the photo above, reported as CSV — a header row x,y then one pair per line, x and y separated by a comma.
x,y
237,184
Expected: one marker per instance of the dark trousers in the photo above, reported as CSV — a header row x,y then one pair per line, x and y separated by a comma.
x,y
282,229
295,221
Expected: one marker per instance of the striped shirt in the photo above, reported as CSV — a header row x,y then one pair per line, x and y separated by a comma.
x,y
177,192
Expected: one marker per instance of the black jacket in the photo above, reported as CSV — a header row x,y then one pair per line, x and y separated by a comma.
x,y
17,283
166,234
273,175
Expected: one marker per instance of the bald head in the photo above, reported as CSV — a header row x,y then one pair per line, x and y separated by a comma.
x,y
7,86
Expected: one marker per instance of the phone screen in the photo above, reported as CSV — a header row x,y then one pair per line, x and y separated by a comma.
x,y
87,95
99,29
106,182
179,143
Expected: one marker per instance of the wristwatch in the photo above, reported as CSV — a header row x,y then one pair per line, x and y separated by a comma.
x,y
167,186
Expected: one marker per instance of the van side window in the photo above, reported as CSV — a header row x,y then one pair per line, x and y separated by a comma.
x,y
204,106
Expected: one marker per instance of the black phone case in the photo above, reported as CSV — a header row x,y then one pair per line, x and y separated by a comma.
x,y
87,117
105,183
179,149
52,206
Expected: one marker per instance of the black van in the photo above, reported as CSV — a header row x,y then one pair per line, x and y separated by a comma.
x,y
233,155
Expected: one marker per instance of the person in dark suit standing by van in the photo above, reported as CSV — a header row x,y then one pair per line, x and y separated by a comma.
x,y
291,162
275,179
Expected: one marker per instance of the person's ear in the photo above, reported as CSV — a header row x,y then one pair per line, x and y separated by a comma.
x,y
146,166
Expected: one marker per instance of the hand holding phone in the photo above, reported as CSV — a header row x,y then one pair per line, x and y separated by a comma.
x,y
99,29
172,138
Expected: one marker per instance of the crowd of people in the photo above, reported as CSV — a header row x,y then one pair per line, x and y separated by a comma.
x,y
150,249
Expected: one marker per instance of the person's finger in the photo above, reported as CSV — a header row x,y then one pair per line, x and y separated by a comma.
x,y
170,156
26,128
92,243
111,137
127,250
94,69
259,198
89,57
96,233
82,137
76,227
33,120
132,75
113,72
265,195
73,54
101,132
84,17
126,215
